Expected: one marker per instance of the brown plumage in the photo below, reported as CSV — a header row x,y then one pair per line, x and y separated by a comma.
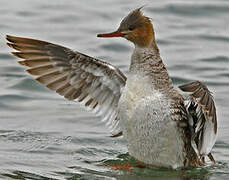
x,y
203,97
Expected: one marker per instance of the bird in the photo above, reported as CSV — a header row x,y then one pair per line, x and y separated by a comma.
x,y
163,126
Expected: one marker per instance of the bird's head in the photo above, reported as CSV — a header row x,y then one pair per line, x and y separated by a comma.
x,y
136,28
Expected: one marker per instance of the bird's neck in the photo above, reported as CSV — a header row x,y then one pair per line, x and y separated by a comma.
x,y
147,60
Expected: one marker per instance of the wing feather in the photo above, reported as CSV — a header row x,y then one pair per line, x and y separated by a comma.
x,y
204,116
94,83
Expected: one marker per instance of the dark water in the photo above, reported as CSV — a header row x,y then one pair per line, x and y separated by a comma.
x,y
43,136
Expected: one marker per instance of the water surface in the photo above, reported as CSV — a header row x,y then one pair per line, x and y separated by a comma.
x,y
43,136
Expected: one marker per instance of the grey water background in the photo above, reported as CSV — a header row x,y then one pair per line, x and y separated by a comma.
x,y
44,136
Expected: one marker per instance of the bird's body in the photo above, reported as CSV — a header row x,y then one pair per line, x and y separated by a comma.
x,y
144,108
161,127
152,135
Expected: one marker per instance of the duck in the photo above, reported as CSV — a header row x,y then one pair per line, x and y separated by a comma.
x,y
163,126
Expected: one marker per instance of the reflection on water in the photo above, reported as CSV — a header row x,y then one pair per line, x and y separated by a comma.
x,y
43,136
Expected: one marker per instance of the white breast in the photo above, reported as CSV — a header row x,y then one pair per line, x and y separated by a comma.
x,y
152,136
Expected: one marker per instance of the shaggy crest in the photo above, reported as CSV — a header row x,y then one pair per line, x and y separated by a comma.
x,y
133,20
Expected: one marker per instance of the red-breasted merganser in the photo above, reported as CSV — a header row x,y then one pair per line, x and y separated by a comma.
x,y
162,128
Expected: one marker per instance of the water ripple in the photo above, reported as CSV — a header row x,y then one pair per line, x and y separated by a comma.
x,y
193,10
216,59
35,141
28,84
213,38
27,175
5,56
115,47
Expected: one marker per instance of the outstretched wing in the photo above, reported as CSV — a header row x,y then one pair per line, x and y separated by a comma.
x,y
203,120
94,83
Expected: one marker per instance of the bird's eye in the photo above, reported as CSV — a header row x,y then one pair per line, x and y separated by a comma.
x,y
131,28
